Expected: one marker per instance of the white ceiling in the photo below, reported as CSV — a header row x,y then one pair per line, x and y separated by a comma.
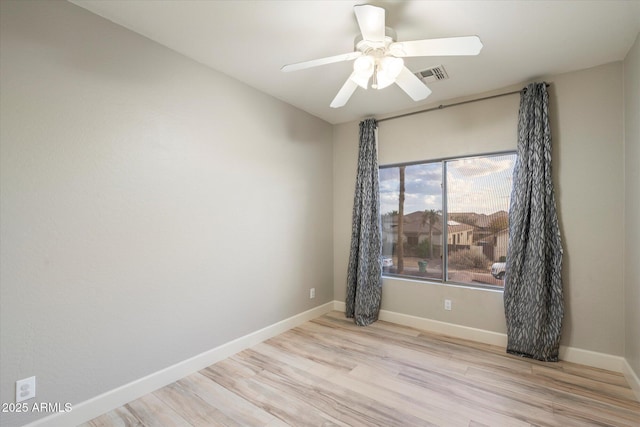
x,y
251,40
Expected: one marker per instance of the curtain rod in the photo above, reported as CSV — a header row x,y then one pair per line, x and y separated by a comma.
x,y
443,106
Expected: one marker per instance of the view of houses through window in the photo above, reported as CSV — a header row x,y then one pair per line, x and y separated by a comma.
x,y
469,195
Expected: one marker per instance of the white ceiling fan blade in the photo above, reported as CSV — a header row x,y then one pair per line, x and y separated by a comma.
x,y
322,61
412,85
344,93
371,22
451,46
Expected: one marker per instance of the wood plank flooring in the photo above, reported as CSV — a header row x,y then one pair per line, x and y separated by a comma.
x,y
330,372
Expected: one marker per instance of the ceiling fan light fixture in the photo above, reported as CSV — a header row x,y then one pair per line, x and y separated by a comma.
x,y
363,68
387,70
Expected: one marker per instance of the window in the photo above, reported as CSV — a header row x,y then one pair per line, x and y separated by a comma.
x,y
470,195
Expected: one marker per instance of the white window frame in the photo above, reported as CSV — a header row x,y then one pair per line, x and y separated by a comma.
x,y
445,215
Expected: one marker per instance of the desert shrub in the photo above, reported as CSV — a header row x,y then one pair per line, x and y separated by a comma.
x,y
466,260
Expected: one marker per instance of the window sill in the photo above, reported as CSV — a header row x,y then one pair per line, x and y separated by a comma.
x,y
419,280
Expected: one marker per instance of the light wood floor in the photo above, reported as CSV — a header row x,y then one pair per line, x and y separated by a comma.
x,y
331,372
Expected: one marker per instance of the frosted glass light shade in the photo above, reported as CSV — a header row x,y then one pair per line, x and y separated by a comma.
x,y
363,70
387,71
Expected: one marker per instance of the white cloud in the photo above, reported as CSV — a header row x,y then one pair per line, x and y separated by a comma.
x,y
481,185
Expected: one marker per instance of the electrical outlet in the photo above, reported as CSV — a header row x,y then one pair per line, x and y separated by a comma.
x,y
447,304
312,293
25,389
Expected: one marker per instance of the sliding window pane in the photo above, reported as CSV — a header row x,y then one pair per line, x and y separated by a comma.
x,y
412,247
478,193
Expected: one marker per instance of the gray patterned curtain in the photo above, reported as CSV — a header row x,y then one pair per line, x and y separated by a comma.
x,y
364,276
533,299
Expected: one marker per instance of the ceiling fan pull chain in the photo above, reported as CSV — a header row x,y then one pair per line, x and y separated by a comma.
x,y
374,78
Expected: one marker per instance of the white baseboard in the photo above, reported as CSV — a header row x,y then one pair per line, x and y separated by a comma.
x,y
104,403
592,358
632,379
569,354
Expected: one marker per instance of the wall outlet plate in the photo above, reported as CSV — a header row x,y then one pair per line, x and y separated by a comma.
x,y
25,389
447,304
312,293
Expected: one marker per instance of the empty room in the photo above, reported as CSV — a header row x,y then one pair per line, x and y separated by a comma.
x,y
313,213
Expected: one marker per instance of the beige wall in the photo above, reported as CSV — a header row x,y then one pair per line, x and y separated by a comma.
x,y
632,206
586,114
152,209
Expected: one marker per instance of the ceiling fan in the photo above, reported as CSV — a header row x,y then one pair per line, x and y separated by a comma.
x,y
378,57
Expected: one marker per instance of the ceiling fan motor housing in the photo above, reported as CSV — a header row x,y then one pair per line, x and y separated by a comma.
x,y
364,46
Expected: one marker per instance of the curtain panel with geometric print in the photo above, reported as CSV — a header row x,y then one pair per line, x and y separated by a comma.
x,y
364,275
533,296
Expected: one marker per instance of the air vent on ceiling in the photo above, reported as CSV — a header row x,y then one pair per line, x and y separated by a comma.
x,y
433,74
